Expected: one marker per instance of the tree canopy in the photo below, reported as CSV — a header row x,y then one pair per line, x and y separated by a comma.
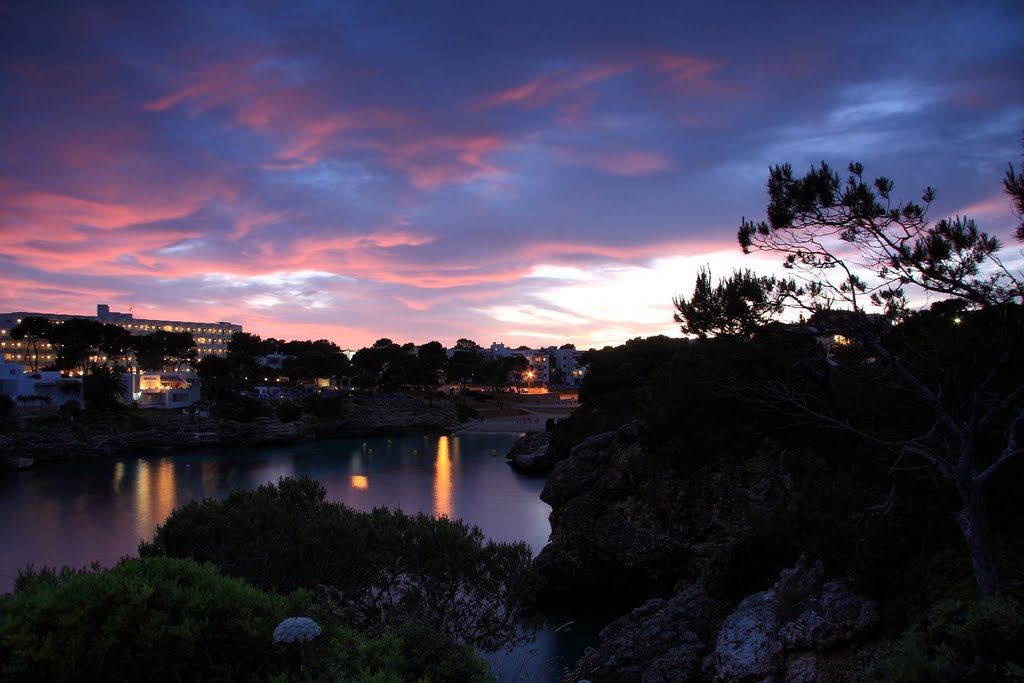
x,y
738,305
855,245
33,329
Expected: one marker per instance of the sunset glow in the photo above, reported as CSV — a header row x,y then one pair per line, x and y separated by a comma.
x,y
515,173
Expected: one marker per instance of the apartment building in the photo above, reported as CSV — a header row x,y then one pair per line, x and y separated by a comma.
x,y
211,338
543,361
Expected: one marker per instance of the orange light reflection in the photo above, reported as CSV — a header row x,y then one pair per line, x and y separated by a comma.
x,y
360,482
443,480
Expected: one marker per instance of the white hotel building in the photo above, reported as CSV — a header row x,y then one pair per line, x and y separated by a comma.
x,y
211,338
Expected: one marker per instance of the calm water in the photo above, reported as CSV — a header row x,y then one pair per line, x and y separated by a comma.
x,y
98,509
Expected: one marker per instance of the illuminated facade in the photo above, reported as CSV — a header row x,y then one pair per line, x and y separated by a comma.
x,y
163,390
211,338
542,361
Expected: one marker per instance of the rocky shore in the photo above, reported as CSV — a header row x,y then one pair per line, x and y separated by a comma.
x,y
804,629
625,526
622,523
49,437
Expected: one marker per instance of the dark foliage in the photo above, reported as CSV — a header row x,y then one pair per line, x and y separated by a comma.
x,y
380,569
158,619
163,619
739,305
104,388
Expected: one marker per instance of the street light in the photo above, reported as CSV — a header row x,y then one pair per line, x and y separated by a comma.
x,y
529,380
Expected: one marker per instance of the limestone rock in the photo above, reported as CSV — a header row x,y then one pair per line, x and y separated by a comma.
x,y
621,521
662,641
747,647
530,453
803,629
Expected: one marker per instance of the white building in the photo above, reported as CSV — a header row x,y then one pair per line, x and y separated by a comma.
x,y
163,390
38,388
567,360
211,338
543,361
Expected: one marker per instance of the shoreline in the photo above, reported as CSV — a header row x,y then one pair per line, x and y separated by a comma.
x,y
20,451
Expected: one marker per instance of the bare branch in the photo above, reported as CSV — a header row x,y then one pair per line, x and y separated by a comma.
x,y
1011,451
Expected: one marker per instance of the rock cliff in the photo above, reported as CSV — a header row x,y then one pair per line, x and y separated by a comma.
x,y
531,454
621,522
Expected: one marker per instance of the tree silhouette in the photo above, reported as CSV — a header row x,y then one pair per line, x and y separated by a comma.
x,y
33,329
738,305
855,246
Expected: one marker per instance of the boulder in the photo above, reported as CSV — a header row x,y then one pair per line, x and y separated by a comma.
x,y
662,641
530,453
799,629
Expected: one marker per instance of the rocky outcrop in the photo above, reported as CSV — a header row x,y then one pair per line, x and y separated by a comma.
x,y
805,629
621,522
530,453
802,629
662,641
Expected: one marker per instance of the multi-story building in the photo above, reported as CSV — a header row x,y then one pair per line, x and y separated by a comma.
x,y
544,361
211,338
567,360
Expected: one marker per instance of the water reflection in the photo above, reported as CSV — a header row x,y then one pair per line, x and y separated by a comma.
x,y
78,511
155,493
443,480
118,476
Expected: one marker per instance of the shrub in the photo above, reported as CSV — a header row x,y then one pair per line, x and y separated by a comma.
x,y
381,568
144,619
961,641
163,619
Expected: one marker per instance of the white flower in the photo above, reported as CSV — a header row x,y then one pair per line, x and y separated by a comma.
x,y
296,629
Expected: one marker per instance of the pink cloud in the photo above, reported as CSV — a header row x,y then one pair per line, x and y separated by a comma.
x,y
541,90
213,85
51,210
298,117
631,163
681,70
414,304
559,253
444,278
433,161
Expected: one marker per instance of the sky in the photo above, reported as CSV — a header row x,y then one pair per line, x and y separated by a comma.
x,y
522,172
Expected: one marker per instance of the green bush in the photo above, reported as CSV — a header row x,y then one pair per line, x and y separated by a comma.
x,y
152,619
381,569
163,619
961,641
